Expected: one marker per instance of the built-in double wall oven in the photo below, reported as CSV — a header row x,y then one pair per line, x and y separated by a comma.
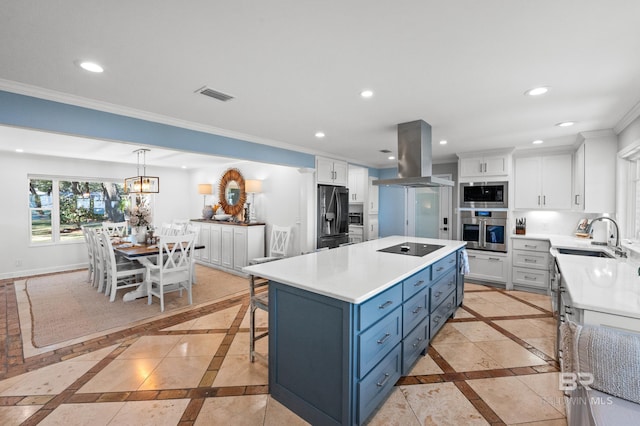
x,y
484,229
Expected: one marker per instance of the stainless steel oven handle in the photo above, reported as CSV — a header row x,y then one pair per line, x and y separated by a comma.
x,y
483,232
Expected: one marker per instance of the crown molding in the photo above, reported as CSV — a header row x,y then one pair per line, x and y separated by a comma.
x,y
627,119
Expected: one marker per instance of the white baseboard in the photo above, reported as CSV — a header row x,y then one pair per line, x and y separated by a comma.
x,y
41,271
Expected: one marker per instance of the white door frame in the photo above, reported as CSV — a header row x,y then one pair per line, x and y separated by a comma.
x,y
446,210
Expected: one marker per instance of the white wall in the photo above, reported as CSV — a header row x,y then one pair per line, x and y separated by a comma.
x,y
281,202
171,202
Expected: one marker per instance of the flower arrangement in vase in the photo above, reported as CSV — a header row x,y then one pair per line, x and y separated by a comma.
x,y
140,219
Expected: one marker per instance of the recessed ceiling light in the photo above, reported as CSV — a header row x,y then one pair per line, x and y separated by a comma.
x,y
91,66
537,142
443,142
184,167
565,124
19,150
537,91
319,135
366,93
391,157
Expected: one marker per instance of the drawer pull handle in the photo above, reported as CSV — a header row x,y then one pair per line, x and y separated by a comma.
x,y
449,305
438,294
527,277
419,283
386,378
419,339
452,261
384,339
385,304
439,268
531,260
416,310
494,259
437,319
450,283
530,246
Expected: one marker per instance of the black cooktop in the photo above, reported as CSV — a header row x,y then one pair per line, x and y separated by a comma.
x,y
412,249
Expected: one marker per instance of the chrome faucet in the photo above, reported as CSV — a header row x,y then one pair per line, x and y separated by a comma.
x,y
617,249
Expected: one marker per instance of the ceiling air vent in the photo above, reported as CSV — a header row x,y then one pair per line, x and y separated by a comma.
x,y
214,94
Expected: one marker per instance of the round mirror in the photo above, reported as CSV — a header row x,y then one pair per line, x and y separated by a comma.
x,y
232,195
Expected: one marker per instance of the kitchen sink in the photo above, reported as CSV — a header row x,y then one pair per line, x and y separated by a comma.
x,y
581,252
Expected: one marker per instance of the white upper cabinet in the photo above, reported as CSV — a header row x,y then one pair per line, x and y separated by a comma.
x,y
357,184
331,172
543,182
374,197
594,173
481,165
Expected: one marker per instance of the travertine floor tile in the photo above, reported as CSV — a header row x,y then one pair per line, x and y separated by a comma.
x,y
395,411
476,287
440,404
237,370
545,344
509,354
150,347
165,412
525,328
425,366
83,414
121,375
449,334
478,331
513,401
176,373
240,345
222,319
278,415
197,345
461,313
14,416
466,357
48,380
547,386
262,319
233,410
556,422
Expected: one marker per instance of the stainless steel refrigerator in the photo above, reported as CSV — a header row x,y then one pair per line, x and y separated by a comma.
x,y
333,216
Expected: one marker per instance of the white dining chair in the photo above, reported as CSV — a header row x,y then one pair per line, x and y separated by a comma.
x,y
99,268
179,226
193,228
173,268
278,249
90,263
122,274
115,229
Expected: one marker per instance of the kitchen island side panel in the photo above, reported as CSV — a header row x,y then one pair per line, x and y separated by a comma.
x,y
310,353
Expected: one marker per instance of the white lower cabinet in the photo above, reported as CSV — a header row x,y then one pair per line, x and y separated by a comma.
x,y
355,234
531,264
230,247
487,266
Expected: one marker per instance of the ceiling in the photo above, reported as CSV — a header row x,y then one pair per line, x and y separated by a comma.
x,y
296,67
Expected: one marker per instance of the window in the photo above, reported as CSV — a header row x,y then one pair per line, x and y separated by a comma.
x,y
58,207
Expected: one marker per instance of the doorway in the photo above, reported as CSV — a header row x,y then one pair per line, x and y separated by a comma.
x,y
429,211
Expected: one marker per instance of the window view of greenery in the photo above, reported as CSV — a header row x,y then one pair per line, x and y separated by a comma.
x,y
79,203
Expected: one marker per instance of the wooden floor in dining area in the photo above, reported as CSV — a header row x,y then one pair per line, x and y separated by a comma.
x,y
491,364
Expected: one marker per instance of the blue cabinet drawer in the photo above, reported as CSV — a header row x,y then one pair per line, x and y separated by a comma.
x,y
442,266
413,345
441,289
377,307
374,388
416,282
442,313
415,310
375,343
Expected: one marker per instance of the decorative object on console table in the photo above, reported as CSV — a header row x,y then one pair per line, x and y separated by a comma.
x,y
252,186
142,184
521,226
206,189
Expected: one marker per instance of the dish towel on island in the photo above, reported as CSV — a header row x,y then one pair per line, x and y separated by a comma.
x,y
465,262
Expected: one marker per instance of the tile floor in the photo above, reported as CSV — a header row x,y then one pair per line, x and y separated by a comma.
x,y
490,364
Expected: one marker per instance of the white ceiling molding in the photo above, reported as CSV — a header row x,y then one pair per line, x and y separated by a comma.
x,y
627,119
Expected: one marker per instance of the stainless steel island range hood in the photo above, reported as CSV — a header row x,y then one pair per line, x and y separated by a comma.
x,y
414,158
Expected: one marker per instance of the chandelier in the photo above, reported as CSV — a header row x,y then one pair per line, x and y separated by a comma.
x,y
142,184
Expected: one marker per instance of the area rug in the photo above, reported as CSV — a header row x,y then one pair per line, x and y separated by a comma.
x,y
65,306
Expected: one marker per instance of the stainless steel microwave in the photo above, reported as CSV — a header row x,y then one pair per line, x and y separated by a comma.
x,y
484,195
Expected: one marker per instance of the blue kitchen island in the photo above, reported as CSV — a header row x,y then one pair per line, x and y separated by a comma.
x,y
346,323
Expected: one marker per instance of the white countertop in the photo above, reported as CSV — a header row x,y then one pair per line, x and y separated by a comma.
x,y
598,284
352,273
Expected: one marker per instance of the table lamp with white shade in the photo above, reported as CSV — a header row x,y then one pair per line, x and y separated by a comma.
x,y
205,189
252,186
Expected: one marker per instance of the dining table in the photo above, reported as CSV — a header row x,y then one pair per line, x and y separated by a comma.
x,y
138,251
